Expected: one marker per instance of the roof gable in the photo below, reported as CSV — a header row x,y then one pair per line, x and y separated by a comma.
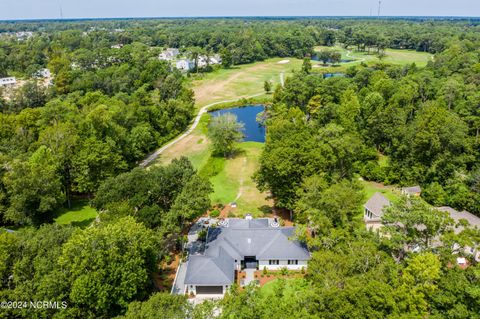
x,y
376,204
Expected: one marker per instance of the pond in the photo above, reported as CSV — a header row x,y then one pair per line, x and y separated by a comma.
x,y
254,131
332,75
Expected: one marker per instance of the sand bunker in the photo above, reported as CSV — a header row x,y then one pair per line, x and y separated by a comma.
x,y
283,62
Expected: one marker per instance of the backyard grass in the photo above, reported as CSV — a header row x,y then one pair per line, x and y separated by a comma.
x,y
241,81
80,214
371,188
234,182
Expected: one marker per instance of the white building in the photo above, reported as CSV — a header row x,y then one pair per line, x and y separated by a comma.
x,y
169,54
43,73
185,64
6,82
117,46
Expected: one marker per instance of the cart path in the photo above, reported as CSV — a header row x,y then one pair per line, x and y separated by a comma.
x,y
150,158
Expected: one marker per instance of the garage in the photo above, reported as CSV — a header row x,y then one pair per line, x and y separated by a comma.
x,y
209,290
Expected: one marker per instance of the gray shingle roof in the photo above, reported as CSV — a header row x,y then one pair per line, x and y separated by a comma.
x,y
473,220
241,238
376,204
210,271
412,190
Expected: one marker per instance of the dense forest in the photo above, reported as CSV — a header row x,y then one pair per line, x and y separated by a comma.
x,y
83,137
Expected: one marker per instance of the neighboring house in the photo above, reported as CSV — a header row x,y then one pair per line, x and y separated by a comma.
x,y
202,60
43,73
185,64
374,210
5,82
472,220
169,54
237,244
412,191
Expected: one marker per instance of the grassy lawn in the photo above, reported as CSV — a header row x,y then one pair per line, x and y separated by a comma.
x,y
371,188
241,81
292,285
234,182
195,147
80,214
393,56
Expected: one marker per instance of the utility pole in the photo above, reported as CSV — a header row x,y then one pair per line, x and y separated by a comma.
x,y
379,7
61,11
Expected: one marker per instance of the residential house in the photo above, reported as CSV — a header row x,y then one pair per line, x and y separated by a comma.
x,y
43,73
202,60
374,209
169,54
412,191
185,64
237,244
470,219
7,82
117,46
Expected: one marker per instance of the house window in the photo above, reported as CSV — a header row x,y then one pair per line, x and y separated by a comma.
x,y
293,262
273,262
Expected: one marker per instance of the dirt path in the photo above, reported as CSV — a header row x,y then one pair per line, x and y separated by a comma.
x,y
203,110
240,189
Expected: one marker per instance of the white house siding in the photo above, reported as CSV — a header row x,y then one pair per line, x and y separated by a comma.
x,y
282,264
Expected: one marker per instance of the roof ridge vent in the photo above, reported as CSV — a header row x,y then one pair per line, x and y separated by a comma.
x,y
223,223
275,223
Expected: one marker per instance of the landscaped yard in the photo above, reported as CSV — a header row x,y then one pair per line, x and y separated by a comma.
x,y
234,182
291,286
80,214
370,188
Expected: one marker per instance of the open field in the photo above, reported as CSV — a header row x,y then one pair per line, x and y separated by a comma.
x,y
393,56
80,214
241,81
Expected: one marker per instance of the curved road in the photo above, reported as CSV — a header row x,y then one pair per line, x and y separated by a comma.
x,y
203,110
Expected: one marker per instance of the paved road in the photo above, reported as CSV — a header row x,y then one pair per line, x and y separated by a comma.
x,y
203,110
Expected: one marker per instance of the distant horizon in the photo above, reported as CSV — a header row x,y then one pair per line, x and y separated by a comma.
x,y
439,17
115,9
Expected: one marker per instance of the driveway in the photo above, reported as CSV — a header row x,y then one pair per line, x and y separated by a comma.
x,y
179,284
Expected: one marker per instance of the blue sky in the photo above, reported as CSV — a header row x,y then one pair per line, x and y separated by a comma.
x,y
42,9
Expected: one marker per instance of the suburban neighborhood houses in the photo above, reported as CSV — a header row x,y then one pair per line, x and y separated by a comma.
x,y
183,63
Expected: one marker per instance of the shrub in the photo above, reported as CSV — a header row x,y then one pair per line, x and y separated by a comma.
x,y
284,271
265,270
215,213
302,270
202,235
